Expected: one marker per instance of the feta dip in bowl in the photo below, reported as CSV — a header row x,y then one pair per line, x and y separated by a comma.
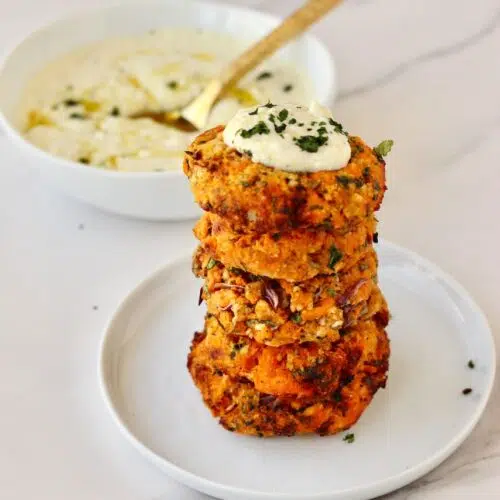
x,y
82,103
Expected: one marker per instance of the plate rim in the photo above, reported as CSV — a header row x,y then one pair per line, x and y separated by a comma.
x,y
375,488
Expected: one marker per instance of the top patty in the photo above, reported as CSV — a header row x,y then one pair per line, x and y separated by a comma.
x,y
254,197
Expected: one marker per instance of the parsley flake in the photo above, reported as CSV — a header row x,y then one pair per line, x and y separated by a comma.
x,y
282,115
335,256
344,180
337,126
311,143
296,317
71,102
279,128
287,88
259,129
349,438
384,148
172,85
264,75
471,364
211,263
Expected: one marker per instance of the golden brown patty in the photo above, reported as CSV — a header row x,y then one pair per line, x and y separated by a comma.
x,y
294,255
276,312
305,370
258,198
242,407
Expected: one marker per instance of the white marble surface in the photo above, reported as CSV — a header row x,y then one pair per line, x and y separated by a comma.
x,y
425,73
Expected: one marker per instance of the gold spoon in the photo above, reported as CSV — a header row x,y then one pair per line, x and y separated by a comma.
x,y
195,115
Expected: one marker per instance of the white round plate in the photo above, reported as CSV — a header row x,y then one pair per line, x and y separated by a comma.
x,y
410,427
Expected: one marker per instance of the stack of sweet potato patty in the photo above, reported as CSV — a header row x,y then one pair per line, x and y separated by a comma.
x,y
294,338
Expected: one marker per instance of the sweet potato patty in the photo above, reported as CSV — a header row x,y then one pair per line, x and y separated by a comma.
x,y
277,312
264,199
235,395
293,255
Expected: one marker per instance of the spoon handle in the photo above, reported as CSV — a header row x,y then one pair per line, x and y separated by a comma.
x,y
293,25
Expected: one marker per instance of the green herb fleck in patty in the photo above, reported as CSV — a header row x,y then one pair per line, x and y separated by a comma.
x,y
211,263
335,256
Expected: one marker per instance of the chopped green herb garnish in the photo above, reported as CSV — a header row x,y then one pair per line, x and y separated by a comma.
x,y
313,123
71,102
279,128
172,85
466,391
115,111
337,126
296,317
384,148
84,160
248,152
276,236
245,184
287,88
322,124
259,129
311,143
471,364
349,438
282,115
300,125
254,112
331,292
77,116
264,75
322,131
335,256
211,263
269,105
292,121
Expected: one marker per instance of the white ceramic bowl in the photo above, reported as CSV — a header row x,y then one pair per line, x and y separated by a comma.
x,y
154,195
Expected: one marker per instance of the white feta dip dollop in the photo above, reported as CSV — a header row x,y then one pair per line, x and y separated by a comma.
x,y
289,137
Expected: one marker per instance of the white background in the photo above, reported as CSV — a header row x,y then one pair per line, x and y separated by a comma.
x,y
425,73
